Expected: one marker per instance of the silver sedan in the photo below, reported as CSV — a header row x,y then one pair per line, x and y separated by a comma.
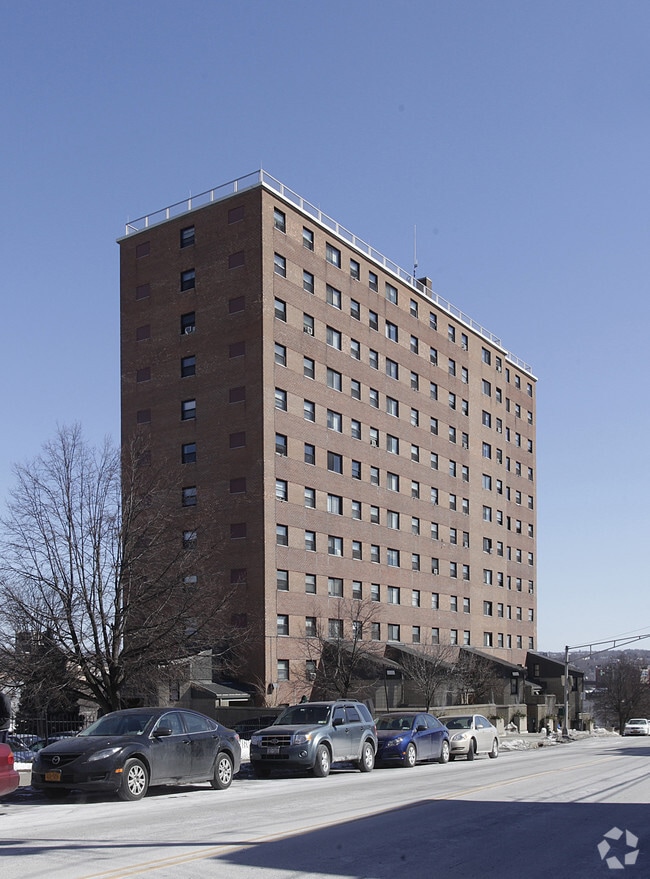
x,y
471,734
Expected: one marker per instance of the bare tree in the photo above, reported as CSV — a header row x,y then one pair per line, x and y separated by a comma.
x,y
624,693
476,678
93,564
429,666
341,660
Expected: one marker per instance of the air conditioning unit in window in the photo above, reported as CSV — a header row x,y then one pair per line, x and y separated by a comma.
x,y
374,442
308,330
189,330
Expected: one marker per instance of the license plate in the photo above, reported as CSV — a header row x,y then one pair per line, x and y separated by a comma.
x,y
273,751
53,776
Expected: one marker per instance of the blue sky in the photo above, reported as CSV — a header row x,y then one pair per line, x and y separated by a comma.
x,y
514,135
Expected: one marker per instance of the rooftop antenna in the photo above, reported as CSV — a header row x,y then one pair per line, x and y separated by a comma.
x,y
415,251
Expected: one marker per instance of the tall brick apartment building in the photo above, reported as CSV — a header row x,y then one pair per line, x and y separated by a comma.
x,y
362,439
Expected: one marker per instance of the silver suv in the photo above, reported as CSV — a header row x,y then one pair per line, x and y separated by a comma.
x,y
313,735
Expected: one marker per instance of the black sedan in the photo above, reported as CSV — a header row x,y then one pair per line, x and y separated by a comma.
x,y
127,751
411,736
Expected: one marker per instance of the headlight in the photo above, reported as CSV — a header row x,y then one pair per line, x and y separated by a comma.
x,y
459,737
256,740
102,755
301,738
396,741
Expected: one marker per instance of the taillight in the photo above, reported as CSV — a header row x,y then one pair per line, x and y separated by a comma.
x,y
10,759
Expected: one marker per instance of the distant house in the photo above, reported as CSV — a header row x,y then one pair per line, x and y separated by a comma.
x,y
548,704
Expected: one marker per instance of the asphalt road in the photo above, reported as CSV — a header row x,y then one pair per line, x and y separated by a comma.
x,y
530,814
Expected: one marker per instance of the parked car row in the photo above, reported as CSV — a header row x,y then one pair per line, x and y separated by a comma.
x,y
128,751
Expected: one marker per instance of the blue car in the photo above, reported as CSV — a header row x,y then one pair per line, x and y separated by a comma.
x,y
410,737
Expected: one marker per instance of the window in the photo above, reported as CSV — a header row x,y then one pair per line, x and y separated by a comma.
x,y
415,525
392,368
283,624
335,587
307,238
373,398
391,293
415,381
279,265
310,541
356,469
415,634
333,338
188,366
280,309
373,320
374,591
334,545
310,453
143,332
392,481
308,367
356,509
391,331
281,489
237,304
143,291
334,379
392,594
188,453
355,349
142,249
282,580
333,255
334,421
415,561
374,475
393,632
392,520
452,367
335,628
189,539
310,497
393,558
392,407
188,410
355,389
374,514
333,296
373,281
310,627
453,636
451,333
433,356
355,309
280,354
357,552
309,410
334,462
279,220
415,453
335,504
188,323
486,388
355,429
433,458
310,584
189,496
357,589
413,308
307,281
415,418
280,444
144,374
355,269
282,535
187,236
415,489
281,399
308,324
188,280
373,358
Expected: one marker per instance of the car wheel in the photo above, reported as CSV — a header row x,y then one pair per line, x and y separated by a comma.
x,y
495,750
323,762
452,757
411,756
471,753
445,756
223,768
261,771
367,762
135,780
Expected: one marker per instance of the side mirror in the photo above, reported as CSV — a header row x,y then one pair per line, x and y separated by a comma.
x,y
420,727
338,721
161,731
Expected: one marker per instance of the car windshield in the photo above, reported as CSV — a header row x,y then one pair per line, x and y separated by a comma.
x,y
119,725
459,723
304,714
395,721
641,720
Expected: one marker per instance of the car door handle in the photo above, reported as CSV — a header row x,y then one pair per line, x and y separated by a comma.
x,y
187,741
